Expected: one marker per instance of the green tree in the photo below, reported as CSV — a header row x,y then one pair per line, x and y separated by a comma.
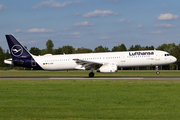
x,y
2,56
148,48
44,51
135,48
49,46
68,49
57,51
7,55
121,47
167,47
35,51
25,47
83,50
101,49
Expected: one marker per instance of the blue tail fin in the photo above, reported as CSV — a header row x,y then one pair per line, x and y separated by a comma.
x,y
20,56
16,49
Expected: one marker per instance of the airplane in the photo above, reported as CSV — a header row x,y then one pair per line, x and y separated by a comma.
x,y
105,62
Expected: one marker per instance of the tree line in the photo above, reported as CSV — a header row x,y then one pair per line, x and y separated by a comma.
x,y
172,48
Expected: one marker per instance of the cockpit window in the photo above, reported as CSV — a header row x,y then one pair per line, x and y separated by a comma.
x,y
167,54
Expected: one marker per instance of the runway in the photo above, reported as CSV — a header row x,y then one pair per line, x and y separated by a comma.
x,y
87,78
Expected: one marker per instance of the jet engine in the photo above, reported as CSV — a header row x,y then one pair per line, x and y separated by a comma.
x,y
108,68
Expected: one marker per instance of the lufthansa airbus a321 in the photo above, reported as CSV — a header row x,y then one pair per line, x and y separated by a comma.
x,y
106,62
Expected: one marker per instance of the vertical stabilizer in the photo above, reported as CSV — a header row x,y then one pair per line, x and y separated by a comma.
x,y
20,55
16,49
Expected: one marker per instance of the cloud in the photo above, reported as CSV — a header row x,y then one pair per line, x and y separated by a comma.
x,y
2,7
99,13
76,14
178,35
157,32
43,4
75,33
164,25
121,20
124,20
66,29
75,37
54,3
35,30
85,23
32,42
128,21
140,26
18,31
167,16
104,38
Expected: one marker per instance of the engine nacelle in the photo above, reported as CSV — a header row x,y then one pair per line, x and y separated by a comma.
x,y
108,68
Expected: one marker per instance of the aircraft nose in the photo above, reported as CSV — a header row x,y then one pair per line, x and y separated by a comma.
x,y
174,59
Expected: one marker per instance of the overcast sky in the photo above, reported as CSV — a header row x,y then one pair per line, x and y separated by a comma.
x,y
90,23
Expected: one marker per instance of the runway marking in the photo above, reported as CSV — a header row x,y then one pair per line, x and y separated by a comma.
x,y
87,78
78,78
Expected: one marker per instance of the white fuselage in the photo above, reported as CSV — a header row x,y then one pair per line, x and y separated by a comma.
x,y
121,59
107,62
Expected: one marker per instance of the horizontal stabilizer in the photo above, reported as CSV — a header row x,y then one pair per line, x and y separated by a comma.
x,y
12,62
8,61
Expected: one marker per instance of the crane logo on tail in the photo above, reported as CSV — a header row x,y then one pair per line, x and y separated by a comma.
x,y
16,50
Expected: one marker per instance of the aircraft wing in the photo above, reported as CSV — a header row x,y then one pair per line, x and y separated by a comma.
x,y
86,65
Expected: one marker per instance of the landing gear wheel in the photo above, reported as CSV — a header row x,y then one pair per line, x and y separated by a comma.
x,y
157,72
91,74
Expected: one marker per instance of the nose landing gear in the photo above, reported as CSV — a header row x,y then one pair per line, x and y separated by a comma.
x,y
157,72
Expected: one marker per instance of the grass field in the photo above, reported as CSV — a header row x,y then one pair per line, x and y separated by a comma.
x,y
82,100
88,99
124,73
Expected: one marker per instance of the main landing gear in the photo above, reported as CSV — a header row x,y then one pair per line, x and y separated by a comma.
x,y
157,72
91,74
